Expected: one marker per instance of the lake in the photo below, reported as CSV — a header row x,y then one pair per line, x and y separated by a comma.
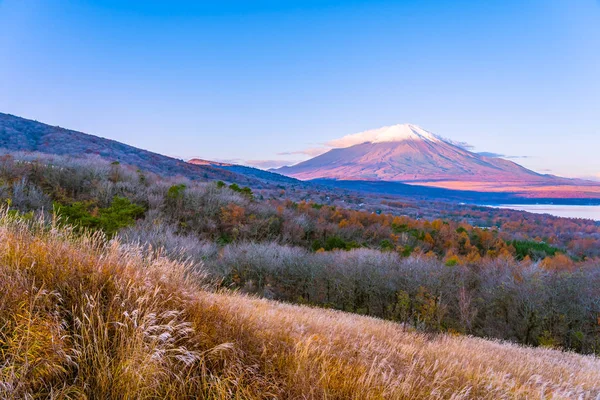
x,y
588,212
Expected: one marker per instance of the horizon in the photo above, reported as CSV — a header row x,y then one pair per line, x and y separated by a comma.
x,y
326,147
340,143
277,82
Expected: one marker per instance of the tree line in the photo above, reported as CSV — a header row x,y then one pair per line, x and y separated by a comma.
x,y
533,280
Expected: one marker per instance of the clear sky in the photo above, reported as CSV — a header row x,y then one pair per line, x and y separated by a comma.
x,y
261,81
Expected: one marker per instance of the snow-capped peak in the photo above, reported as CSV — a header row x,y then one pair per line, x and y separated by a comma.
x,y
394,133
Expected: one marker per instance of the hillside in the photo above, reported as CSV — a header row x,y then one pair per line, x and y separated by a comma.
x,y
363,260
410,154
20,134
84,319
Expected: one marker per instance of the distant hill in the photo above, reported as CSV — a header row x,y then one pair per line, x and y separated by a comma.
x,y
265,175
410,154
20,134
248,171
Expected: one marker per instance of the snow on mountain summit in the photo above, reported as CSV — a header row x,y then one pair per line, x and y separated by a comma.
x,y
394,133
407,153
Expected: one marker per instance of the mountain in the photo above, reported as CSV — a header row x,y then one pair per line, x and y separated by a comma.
x,y
20,134
410,154
406,153
403,153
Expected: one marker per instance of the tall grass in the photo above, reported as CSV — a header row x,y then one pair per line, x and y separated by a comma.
x,y
83,318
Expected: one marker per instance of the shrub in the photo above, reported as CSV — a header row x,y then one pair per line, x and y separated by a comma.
x,y
335,243
85,215
535,250
386,245
86,319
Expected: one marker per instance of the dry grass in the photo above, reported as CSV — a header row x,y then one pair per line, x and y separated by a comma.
x,y
79,319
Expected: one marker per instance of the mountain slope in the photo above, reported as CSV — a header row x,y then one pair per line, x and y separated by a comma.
x,y
86,319
407,153
249,171
20,134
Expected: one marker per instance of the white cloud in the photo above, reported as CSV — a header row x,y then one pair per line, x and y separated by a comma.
x,y
311,151
266,164
498,155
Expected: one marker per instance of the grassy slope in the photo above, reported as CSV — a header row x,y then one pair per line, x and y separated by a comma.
x,y
83,320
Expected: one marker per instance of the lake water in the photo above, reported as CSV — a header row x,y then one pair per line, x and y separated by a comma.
x,y
588,212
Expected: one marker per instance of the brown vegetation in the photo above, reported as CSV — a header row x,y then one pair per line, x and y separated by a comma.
x,y
83,318
529,279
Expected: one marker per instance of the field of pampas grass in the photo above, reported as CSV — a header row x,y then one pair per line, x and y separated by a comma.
x,y
84,319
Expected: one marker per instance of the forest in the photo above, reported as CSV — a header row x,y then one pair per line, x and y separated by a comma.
x,y
531,279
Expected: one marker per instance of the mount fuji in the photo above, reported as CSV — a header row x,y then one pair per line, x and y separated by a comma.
x,y
410,154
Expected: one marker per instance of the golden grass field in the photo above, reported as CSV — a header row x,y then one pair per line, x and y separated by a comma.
x,y
83,320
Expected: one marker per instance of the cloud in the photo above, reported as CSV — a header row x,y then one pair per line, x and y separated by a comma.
x,y
593,177
347,141
266,164
462,145
498,155
233,161
490,154
311,151
588,177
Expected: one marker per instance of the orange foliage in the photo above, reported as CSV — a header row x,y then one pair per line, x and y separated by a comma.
x,y
559,262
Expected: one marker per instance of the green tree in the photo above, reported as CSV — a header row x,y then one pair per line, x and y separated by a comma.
x,y
84,215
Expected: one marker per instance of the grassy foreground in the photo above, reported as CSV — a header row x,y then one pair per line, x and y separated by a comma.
x,y
81,319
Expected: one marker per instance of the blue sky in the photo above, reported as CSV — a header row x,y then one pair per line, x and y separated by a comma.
x,y
261,81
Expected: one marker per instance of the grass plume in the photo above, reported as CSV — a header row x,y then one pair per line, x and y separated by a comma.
x,y
84,318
